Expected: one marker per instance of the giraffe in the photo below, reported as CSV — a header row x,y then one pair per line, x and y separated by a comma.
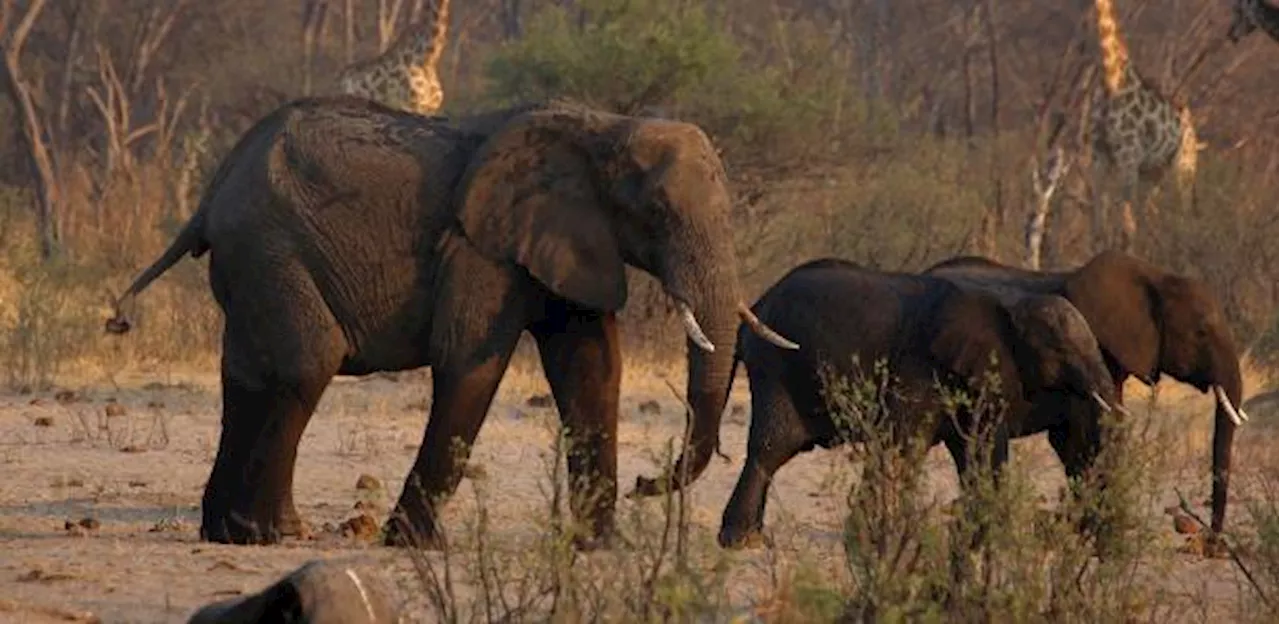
x,y
404,76
1250,15
1139,132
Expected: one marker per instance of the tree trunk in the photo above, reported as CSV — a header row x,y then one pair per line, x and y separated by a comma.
x,y
997,218
34,134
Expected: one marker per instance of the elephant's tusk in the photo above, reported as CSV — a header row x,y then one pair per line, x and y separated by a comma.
x,y
764,331
1106,407
364,596
692,328
1237,416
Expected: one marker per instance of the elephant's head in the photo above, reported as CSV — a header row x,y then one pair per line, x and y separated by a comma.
x,y
572,195
1041,343
1059,351
1151,322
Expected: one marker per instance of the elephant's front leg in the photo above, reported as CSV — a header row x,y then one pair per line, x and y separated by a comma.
x,y
583,364
461,396
776,435
969,453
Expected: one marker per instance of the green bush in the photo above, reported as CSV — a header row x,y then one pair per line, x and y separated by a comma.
x,y
674,57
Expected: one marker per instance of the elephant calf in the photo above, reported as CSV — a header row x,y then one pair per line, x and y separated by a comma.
x,y
926,329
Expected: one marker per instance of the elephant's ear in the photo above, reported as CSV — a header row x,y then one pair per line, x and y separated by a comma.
x,y
1114,294
968,330
529,196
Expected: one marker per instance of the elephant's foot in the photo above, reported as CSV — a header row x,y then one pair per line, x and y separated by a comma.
x,y
403,531
740,539
236,528
290,524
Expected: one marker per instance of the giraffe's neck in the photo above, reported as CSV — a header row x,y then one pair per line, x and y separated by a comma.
x,y
423,42
1115,56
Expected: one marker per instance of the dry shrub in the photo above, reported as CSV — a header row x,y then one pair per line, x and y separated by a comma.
x,y
657,571
910,561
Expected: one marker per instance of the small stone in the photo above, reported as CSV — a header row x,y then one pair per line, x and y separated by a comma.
x,y
650,407
155,404
36,402
223,564
43,421
132,448
89,522
361,527
137,483
1185,525
65,396
114,409
166,525
541,401
368,482
1193,546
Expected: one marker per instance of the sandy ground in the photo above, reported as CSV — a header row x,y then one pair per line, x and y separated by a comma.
x,y
140,472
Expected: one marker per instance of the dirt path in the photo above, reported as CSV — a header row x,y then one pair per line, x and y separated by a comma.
x,y
140,471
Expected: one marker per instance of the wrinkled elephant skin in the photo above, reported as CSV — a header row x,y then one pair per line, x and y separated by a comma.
x,y
924,329
1148,322
348,238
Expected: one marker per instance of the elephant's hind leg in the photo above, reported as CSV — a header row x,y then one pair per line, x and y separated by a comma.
x,y
583,364
776,435
279,354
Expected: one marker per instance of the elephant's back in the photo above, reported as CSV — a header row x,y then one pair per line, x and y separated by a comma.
x,y
1005,282
835,309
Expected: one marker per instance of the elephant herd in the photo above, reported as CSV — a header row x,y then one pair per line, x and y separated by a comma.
x,y
348,238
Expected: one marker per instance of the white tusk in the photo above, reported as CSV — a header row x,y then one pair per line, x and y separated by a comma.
x,y
1237,416
364,597
1101,401
1124,411
692,328
764,331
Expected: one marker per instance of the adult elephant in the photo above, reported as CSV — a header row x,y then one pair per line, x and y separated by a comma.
x,y
1148,322
927,330
348,238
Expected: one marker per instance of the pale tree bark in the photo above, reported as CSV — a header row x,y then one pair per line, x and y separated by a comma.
x,y
34,133
1044,182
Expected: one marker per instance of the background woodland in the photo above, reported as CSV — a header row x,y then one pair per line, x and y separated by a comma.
x,y
893,133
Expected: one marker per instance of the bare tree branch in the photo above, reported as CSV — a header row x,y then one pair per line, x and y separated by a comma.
x,y
34,133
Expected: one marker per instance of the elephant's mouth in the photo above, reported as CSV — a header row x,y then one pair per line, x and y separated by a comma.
x,y
699,337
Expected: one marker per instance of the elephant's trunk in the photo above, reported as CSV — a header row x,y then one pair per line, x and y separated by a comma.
x,y
708,296
707,393
1226,414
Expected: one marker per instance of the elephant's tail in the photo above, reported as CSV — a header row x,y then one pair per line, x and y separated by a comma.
x,y
190,240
